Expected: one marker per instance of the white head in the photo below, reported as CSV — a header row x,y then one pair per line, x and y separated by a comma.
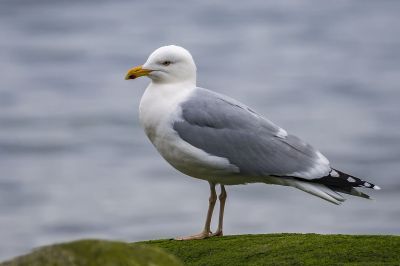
x,y
167,64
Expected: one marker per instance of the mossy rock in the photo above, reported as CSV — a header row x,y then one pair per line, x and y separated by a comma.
x,y
95,253
286,249
271,249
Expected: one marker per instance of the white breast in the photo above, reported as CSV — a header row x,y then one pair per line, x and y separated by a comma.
x,y
159,109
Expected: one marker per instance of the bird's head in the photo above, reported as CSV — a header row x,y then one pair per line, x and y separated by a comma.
x,y
167,64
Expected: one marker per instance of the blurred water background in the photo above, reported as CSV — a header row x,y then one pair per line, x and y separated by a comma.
x,y
74,162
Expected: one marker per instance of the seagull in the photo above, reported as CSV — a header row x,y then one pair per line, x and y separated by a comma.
x,y
212,137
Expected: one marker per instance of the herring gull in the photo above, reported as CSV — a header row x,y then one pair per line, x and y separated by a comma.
x,y
212,137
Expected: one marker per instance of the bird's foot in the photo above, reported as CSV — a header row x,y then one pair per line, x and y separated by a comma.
x,y
202,235
218,233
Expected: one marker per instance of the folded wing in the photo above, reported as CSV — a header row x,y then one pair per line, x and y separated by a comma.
x,y
226,128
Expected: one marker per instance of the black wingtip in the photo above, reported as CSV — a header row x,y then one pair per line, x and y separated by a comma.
x,y
339,179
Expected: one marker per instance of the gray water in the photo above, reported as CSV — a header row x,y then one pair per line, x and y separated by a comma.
x,y
74,162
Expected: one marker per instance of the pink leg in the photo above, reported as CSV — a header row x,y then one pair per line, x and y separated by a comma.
x,y
206,231
222,199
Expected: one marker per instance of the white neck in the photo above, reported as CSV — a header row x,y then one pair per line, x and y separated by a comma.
x,y
160,103
189,80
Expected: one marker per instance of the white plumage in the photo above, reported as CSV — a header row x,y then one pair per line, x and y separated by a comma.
x,y
212,137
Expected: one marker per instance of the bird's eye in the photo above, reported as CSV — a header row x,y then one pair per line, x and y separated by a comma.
x,y
166,63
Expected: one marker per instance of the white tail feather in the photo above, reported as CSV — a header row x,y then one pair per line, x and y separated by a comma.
x,y
319,190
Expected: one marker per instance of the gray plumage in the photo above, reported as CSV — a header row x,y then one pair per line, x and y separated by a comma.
x,y
224,127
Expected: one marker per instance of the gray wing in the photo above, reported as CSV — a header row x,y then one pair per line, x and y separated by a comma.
x,y
226,128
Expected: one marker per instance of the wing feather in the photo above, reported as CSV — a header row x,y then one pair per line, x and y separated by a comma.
x,y
226,128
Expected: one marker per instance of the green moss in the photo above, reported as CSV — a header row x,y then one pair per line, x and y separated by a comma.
x,y
273,249
286,249
94,253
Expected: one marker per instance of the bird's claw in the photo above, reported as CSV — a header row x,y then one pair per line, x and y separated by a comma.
x,y
218,233
202,235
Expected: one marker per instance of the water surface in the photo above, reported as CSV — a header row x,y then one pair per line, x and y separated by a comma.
x,y
74,162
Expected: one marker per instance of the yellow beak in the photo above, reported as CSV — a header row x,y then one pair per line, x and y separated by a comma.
x,y
137,72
